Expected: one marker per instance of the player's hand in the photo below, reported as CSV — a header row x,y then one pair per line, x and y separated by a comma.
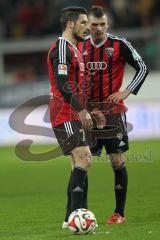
x,y
86,119
99,117
118,96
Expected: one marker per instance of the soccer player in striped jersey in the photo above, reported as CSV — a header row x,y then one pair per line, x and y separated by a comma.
x,y
105,57
68,115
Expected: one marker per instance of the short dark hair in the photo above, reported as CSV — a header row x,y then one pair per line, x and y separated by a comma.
x,y
96,11
70,14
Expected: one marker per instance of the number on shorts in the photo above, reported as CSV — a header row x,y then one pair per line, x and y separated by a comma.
x,y
83,132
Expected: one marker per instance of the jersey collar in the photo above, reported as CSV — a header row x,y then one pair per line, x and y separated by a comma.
x,y
68,42
101,43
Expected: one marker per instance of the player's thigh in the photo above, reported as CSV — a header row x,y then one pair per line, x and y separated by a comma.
x,y
70,135
82,156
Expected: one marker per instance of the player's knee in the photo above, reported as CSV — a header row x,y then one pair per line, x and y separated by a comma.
x,y
117,161
82,157
87,160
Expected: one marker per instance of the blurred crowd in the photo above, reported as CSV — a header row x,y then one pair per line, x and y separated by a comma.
x,y
37,18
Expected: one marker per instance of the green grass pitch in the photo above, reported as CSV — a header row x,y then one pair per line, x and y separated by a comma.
x,y
33,196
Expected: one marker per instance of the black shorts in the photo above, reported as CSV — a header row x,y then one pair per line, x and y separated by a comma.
x,y
70,135
115,139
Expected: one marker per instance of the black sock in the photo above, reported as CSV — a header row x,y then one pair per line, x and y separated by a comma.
x,y
77,186
68,207
121,181
85,200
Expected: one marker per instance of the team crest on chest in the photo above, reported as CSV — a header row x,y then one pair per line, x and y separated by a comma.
x,y
109,51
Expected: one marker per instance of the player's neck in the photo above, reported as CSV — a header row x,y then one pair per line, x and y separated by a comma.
x,y
70,38
99,41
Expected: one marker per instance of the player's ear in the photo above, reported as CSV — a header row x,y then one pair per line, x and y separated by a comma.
x,y
70,24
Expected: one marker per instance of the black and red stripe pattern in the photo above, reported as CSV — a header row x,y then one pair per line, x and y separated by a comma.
x,y
105,63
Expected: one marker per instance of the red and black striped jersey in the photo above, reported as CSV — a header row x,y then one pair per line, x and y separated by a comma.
x,y
66,73
105,63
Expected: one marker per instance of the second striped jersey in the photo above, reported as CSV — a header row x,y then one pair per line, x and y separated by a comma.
x,y
104,67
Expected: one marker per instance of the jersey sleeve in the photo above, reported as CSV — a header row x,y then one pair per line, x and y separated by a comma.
x,y
60,58
132,57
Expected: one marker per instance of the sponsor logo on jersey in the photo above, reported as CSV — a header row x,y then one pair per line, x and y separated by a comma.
x,y
109,51
96,65
51,96
62,69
